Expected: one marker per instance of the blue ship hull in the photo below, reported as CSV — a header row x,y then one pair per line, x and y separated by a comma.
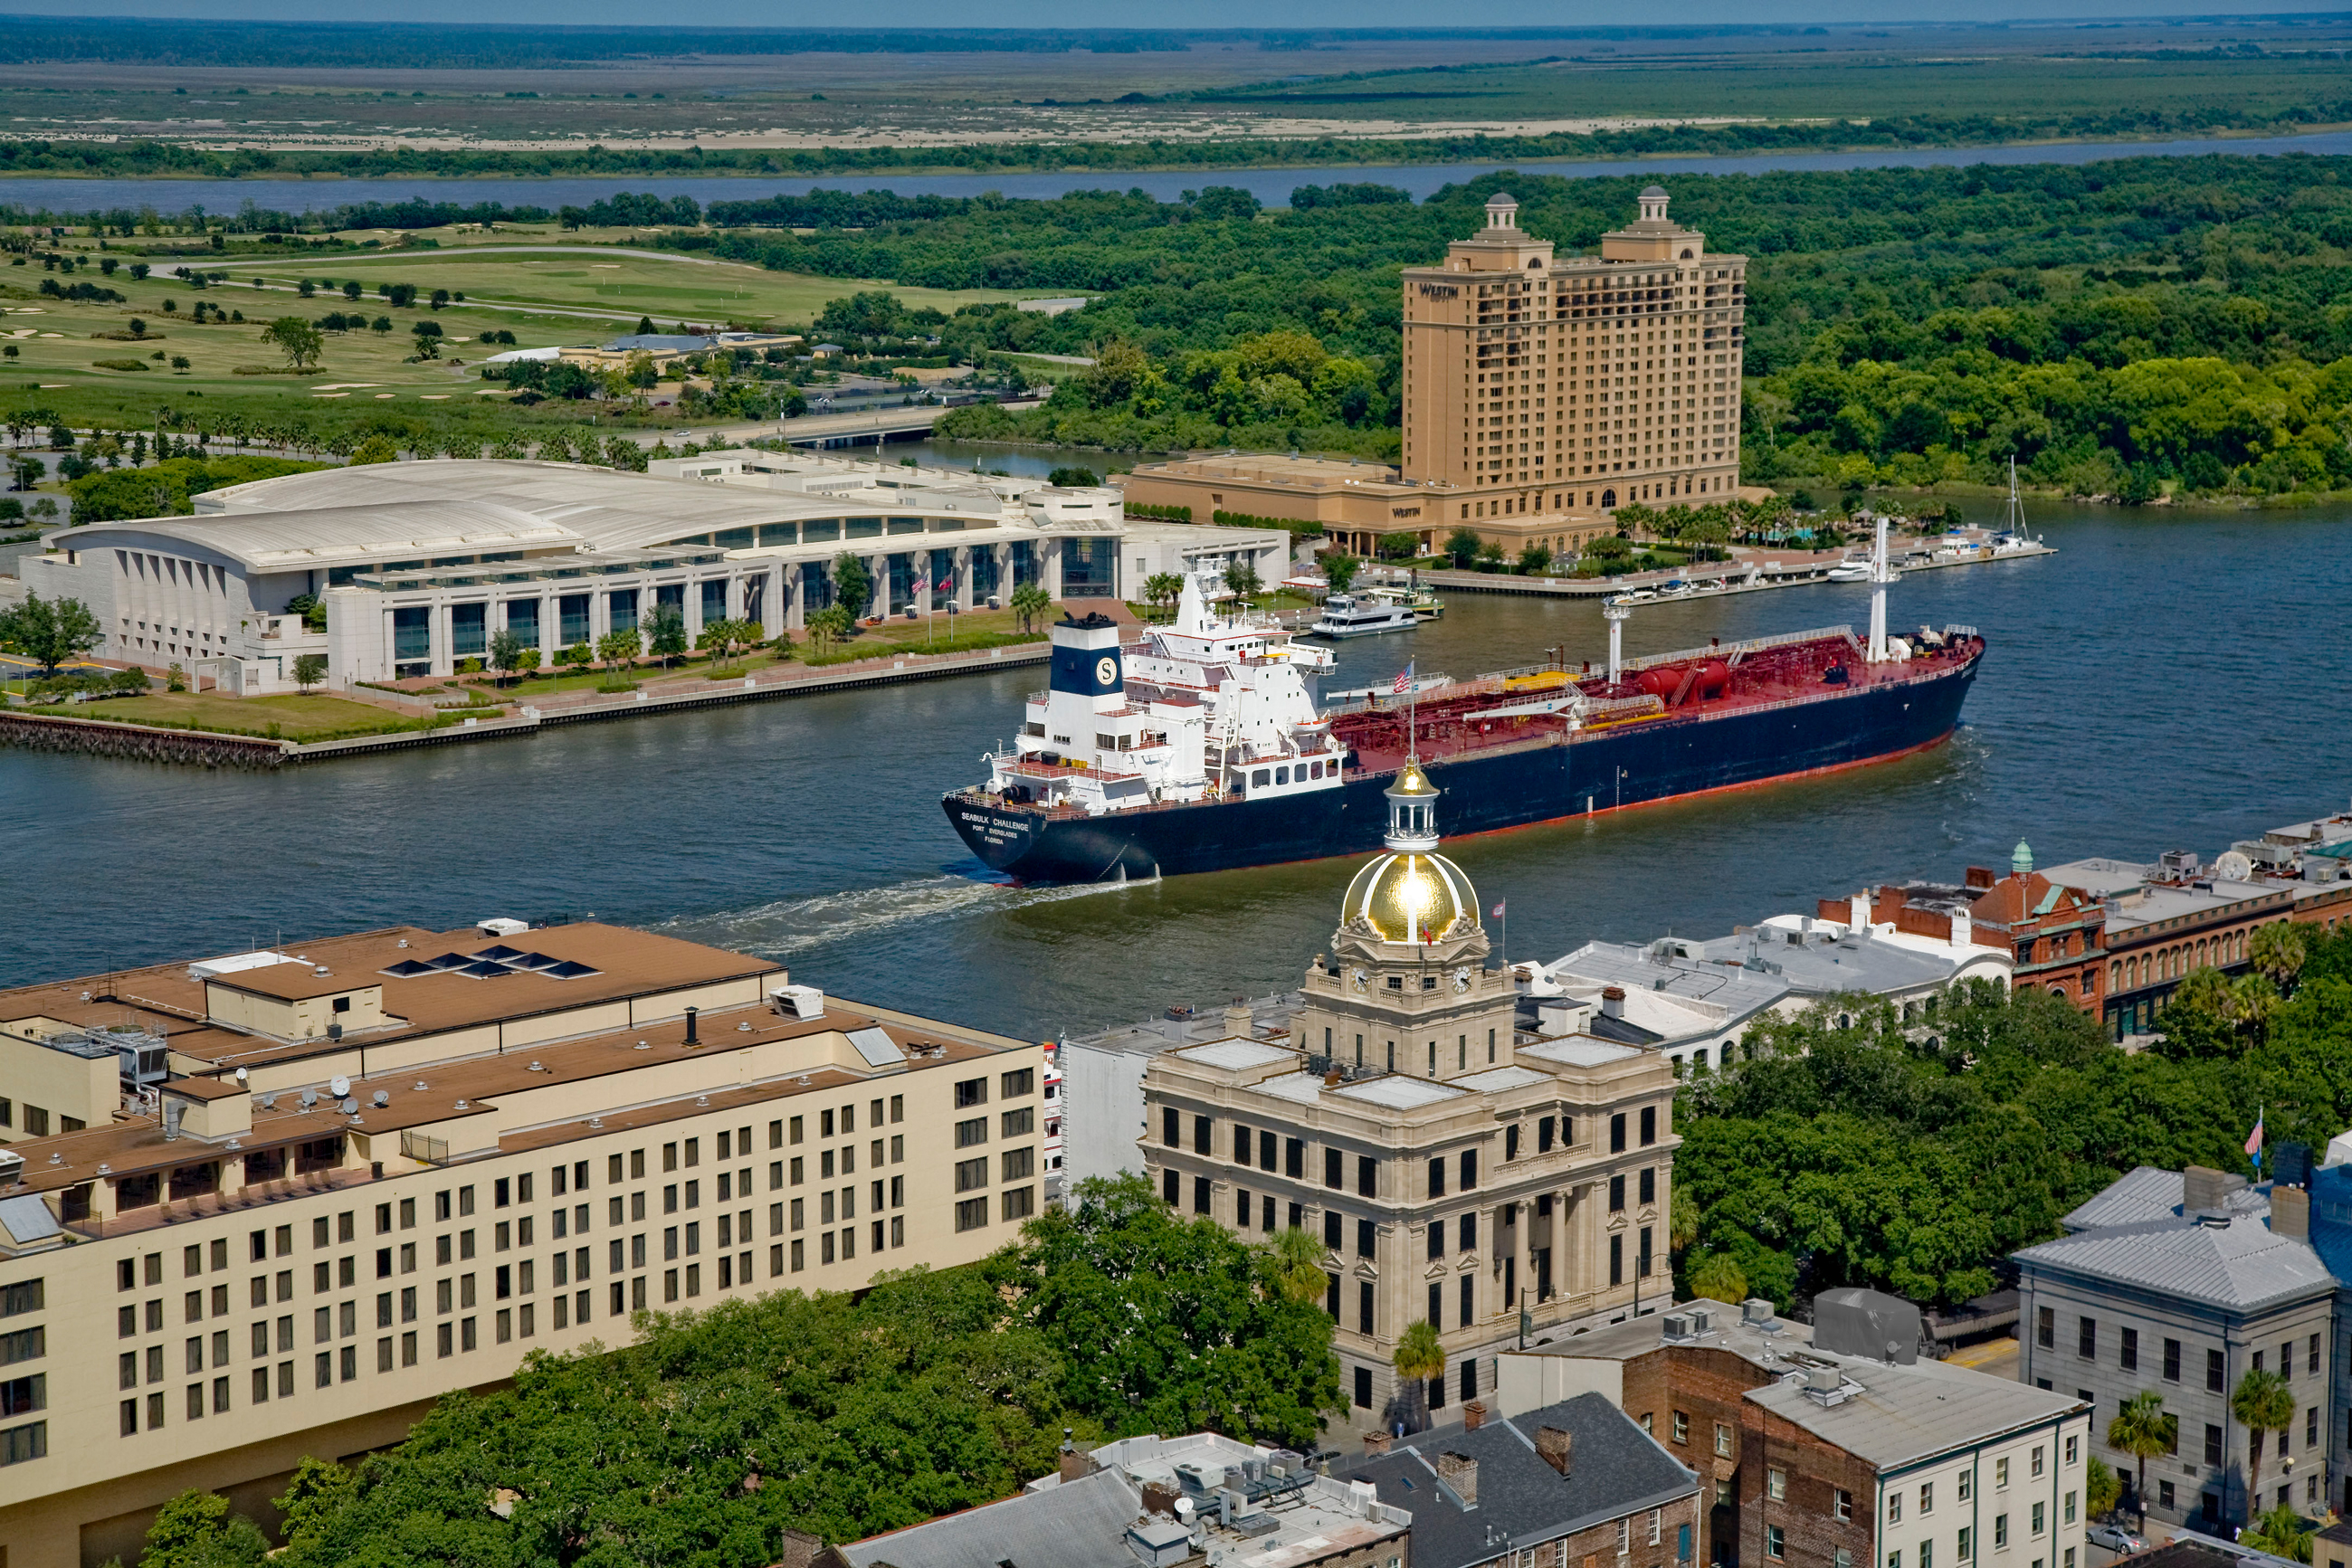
x,y
1487,791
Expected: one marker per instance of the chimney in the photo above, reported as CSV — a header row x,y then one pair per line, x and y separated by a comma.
x,y
1460,1471
2291,1212
1077,1464
1963,929
1613,1001
1858,912
691,1038
1473,1415
801,1550
1238,1022
2203,1190
1331,1078
1553,1446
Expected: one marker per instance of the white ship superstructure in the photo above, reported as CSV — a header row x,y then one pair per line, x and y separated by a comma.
x,y
1209,708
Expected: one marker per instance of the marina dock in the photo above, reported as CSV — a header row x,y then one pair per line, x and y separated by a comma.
x,y
1707,581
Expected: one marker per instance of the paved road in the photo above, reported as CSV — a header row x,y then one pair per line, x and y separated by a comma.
x,y
1996,1357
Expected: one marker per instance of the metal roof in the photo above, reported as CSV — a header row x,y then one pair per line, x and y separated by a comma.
x,y
1900,1415
1077,1524
2145,1193
1614,1468
2239,1265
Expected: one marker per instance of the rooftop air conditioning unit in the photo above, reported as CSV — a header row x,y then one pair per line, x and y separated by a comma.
x,y
501,926
12,1167
798,1001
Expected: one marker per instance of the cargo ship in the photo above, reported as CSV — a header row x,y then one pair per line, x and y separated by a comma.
x,y
1200,746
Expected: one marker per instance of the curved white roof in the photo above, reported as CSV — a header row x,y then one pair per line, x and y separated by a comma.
x,y
446,506
335,536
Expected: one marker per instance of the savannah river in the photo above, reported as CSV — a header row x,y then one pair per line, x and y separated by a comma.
x,y
2169,679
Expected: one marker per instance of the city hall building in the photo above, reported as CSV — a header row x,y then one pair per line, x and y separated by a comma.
x,y
419,565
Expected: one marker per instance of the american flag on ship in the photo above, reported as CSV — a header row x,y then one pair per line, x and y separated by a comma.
x,y
1404,680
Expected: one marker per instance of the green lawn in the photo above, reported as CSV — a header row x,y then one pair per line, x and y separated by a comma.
x,y
291,716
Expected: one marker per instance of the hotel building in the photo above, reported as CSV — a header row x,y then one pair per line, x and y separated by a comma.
x,y
275,1205
1535,383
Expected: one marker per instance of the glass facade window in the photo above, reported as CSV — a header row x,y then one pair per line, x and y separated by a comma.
x,y
863,529
714,600
469,631
824,530
670,593
942,570
984,574
571,619
780,533
734,539
621,605
900,572
412,633
1024,562
1089,568
816,586
906,524
522,620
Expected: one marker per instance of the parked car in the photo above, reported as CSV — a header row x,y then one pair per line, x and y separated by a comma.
x,y
2115,1538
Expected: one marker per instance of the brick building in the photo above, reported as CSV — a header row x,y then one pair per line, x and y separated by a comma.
x,y
1814,1447
2055,934
1568,1485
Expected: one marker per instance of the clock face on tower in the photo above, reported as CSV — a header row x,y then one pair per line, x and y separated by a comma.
x,y
1106,670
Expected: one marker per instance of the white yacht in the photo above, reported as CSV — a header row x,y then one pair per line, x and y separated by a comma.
x,y
1346,615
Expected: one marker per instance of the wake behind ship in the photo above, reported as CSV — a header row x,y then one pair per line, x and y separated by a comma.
x,y
1199,746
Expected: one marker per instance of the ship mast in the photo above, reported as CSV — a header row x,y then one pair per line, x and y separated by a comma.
x,y
2014,520
1880,576
1618,614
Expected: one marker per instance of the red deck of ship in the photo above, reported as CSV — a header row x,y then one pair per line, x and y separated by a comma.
x,y
1445,722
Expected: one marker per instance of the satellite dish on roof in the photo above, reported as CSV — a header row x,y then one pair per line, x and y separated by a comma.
x,y
2232,866
339,1086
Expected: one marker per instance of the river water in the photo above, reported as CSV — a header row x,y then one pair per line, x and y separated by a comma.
x,y
2169,679
1271,186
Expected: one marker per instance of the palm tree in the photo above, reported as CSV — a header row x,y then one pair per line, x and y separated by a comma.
x,y
2281,1533
2143,1430
1420,1356
1298,1267
2278,951
2262,1402
1162,588
1718,1278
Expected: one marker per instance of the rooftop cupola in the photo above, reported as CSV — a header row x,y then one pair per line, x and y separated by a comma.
x,y
1503,210
1413,811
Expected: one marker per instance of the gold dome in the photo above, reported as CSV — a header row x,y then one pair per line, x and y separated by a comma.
x,y
1409,898
1411,783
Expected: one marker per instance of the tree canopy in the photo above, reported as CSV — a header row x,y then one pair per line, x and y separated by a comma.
x,y
1913,1157
843,1416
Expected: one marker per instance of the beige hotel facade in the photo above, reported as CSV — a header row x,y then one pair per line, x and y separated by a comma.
x,y
1535,383
275,1205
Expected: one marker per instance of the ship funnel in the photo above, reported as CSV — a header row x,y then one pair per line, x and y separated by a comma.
x,y
1088,671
